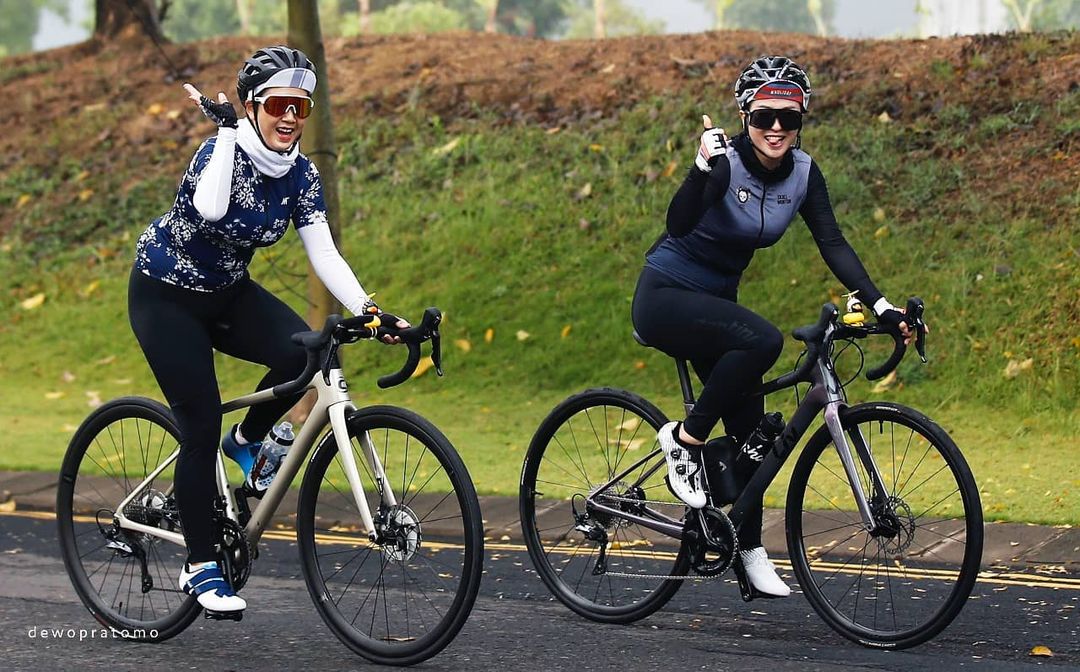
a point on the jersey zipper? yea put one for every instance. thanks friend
(761, 231)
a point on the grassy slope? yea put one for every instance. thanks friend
(495, 233)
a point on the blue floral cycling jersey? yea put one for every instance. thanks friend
(184, 249)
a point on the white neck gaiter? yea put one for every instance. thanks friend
(267, 161)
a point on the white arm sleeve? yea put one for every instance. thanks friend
(331, 268)
(214, 187)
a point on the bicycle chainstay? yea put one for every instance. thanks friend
(680, 577)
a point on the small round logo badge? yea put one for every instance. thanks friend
(743, 194)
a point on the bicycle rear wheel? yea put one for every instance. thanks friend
(586, 441)
(903, 584)
(400, 599)
(117, 447)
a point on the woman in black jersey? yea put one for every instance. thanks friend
(738, 197)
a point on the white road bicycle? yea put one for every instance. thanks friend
(387, 521)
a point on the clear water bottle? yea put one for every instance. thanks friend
(271, 453)
(757, 446)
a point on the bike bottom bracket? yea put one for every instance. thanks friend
(715, 543)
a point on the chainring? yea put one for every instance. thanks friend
(236, 552)
(717, 546)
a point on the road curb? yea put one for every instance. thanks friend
(1045, 548)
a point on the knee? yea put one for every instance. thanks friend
(771, 345)
(199, 420)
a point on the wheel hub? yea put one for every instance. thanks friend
(401, 535)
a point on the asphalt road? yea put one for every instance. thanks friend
(516, 625)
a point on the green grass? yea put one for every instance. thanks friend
(498, 233)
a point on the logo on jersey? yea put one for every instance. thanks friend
(783, 199)
(743, 194)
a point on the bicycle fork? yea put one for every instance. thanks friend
(337, 412)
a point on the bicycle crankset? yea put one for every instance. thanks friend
(714, 544)
(236, 553)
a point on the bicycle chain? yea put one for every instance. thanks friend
(662, 577)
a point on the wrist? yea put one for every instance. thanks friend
(702, 164)
(226, 132)
(882, 305)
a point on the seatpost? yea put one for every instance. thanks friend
(684, 383)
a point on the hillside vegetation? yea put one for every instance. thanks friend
(517, 183)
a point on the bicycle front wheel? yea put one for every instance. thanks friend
(905, 582)
(400, 598)
(588, 440)
(128, 580)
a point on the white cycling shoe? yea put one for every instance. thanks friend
(215, 595)
(684, 472)
(761, 573)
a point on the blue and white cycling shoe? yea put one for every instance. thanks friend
(215, 595)
(242, 453)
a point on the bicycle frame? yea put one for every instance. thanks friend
(826, 396)
(332, 406)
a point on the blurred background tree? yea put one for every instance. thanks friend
(19, 22)
(618, 18)
(786, 16)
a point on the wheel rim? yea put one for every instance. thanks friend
(120, 452)
(911, 578)
(399, 593)
(588, 448)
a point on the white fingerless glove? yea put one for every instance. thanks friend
(713, 146)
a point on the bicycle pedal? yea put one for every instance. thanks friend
(748, 592)
(223, 615)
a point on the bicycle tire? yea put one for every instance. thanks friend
(133, 426)
(912, 559)
(592, 405)
(328, 516)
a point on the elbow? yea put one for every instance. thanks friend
(211, 212)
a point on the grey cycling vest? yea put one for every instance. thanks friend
(751, 215)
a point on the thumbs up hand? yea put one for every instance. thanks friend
(713, 145)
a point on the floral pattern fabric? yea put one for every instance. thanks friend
(183, 249)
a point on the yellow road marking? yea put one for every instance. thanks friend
(986, 576)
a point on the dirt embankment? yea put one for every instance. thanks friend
(98, 108)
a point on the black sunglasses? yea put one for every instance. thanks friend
(764, 118)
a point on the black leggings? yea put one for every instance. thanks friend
(178, 330)
(730, 348)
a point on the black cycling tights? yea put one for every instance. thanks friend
(178, 330)
(730, 348)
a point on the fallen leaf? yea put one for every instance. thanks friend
(121, 381)
(566, 331)
(607, 69)
(596, 148)
(1043, 651)
(669, 169)
(447, 148)
(884, 118)
(33, 302)
(584, 192)
(463, 344)
(85, 194)
(52, 396)
(23, 200)
(882, 231)
(82, 176)
(885, 383)
(583, 224)
(553, 130)
(106, 360)
(172, 114)
(423, 367)
(90, 288)
(639, 365)
(155, 109)
(522, 335)
(67, 377)
(630, 425)
(879, 215)
(1014, 368)
(489, 335)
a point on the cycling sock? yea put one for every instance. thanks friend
(238, 436)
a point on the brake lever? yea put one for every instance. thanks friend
(331, 353)
(915, 309)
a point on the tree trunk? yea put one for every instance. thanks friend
(814, 8)
(243, 12)
(365, 16)
(305, 34)
(493, 11)
(117, 19)
(600, 28)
